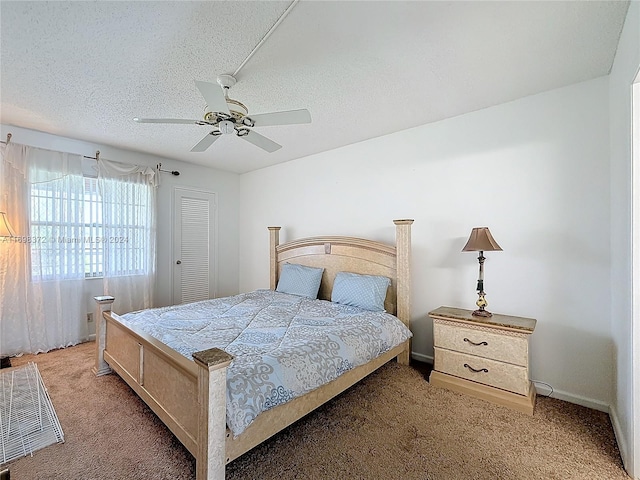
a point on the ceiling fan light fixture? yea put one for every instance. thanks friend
(226, 126)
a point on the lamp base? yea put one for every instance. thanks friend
(481, 303)
(482, 313)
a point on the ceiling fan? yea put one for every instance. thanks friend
(229, 116)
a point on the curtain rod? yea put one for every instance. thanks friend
(96, 158)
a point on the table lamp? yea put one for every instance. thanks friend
(481, 241)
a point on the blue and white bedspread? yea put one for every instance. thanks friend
(284, 345)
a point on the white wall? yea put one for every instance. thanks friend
(225, 184)
(534, 170)
(623, 72)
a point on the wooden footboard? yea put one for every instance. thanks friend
(169, 387)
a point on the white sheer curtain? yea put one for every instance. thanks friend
(128, 194)
(41, 270)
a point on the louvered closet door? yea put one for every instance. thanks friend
(194, 245)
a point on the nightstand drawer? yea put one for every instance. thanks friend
(513, 378)
(497, 346)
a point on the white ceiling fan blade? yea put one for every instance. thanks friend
(214, 96)
(205, 143)
(290, 117)
(165, 120)
(261, 141)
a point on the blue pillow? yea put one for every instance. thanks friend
(364, 291)
(300, 280)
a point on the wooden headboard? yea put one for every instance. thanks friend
(350, 254)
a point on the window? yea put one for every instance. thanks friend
(56, 229)
(78, 231)
(128, 230)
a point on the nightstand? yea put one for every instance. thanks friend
(484, 357)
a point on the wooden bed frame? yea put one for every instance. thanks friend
(189, 395)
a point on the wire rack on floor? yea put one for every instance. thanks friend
(28, 421)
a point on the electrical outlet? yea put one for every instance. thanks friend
(89, 317)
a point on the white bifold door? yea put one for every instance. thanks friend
(194, 245)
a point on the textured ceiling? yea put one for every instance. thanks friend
(363, 69)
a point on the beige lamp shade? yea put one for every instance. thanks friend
(6, 230)
(481, 240)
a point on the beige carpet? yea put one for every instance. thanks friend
(393, 425)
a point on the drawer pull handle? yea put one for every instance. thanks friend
(474, 370)
(474, 343)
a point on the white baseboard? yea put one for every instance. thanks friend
(92, 338)
(422, 358)
(579, 400)
(620, 438)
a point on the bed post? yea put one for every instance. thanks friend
(212, 413)
(103, 304)
(274, 241)
(403, 272)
